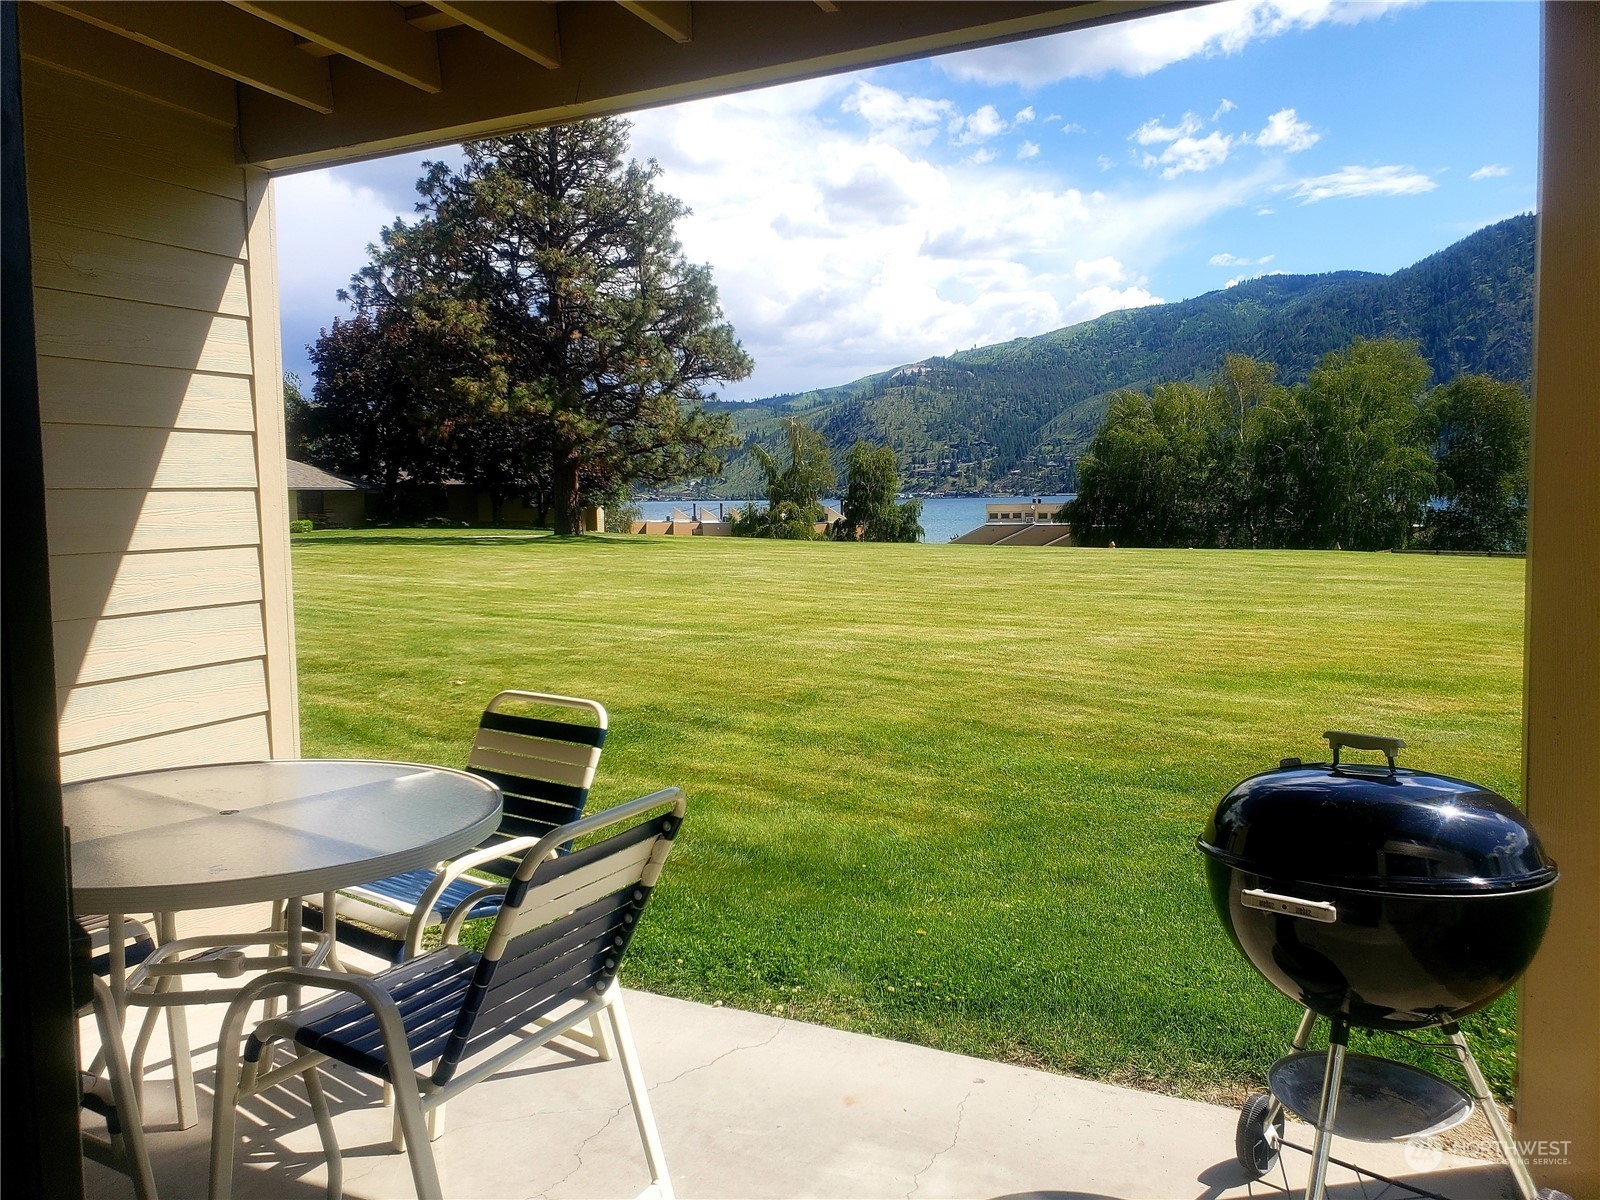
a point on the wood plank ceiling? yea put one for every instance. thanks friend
(312, 82)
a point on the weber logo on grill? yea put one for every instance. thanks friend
(1289, 906)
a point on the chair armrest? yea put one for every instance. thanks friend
(283, 980)
(449, 873)
(458, 917)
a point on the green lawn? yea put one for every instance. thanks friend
(946, 794)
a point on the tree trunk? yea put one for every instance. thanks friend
(496, 503)
(568, 506)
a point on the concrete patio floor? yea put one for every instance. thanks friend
(756, 1106)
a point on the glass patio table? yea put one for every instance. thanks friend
(243, 833)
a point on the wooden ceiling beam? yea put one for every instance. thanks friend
(529, 29)
(427, 17)
(220, 39)
(89, 53)
(375, 35)
(612, 63)
(675, 18)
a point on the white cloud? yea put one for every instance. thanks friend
(859, 253)
(1195, 154)
(1233, 260)
(978, 126)
(1265, 212)
(1073, 127)
(1153, 132)
(1227, 106)
(1097, 301)
(1099, 271)
(1105, 163)
(897, 117)
(1028, 150)
(1024, 116)
(324, 222)
(1286, 131)
(1362, 181)
(1144, 45)
(1490, 171)
(843, 240)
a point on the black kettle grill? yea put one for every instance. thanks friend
(1382, 898)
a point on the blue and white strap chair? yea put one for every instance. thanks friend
(543, 768)
(107, 1088)
(437, 1024)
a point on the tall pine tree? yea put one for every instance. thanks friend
(549, 266)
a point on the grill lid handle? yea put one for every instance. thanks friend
(1339, 740)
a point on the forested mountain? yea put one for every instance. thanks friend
(1014, 417)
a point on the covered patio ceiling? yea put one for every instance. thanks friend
(309, 83)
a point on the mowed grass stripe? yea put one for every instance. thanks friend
(947, 794)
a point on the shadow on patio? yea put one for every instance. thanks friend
(755, 1106)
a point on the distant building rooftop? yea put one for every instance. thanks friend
(303, 477)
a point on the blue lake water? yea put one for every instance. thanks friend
(942, 517)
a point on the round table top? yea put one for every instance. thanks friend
(238, 833)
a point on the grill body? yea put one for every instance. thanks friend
(1389, 897)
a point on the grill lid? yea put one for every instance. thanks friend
(1380, 829)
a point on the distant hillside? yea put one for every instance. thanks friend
(1014, 417)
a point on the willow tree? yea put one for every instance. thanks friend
(794, 489)
(549, 264)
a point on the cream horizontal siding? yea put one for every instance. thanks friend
(97, 522)
(97, 714)
(69, 259)
(84, 392)
(138, 139)
(72, 325)
(106, 456)
(227, 741)
(90, 195)
(104, 648)
(117, 584)
(160, 415)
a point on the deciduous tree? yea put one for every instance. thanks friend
(1479, 430)
(382, 407)
(870, 509)
(794, 489)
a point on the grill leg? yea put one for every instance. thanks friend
(1526, 1188)
(1338, 1038)
(1302, 1037)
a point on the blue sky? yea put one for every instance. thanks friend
(867, 220)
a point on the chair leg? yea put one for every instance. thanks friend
(224, 1104)
(330, 1143)
(129, 1117)
(397, 1136)
(602, 1040)
(141, 1043)
(414, 1130)
(639, 1093)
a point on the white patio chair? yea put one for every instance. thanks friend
(107, 1088)
(544, 769)
(551, 962)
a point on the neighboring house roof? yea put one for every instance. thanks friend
(303, 477)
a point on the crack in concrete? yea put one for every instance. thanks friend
(961, 1115)
(584, 1145)
(627, 1105)
(706, 1065)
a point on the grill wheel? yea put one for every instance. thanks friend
(1256, 1150)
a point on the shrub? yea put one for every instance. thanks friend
(301, 526)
